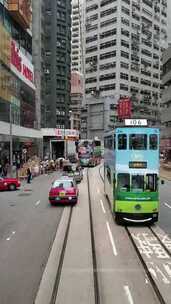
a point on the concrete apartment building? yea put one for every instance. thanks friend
(124, 41)
(166, 99)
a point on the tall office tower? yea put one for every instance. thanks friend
(76, 36)
(124, 41)
(57, 35)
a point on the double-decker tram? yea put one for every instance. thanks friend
(89, 152)
(131, 172)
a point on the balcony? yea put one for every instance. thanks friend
(21, 11)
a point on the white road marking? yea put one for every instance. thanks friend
(9, 238)
(103, 208)
(167, 205)
(128, 294)
(37, 203)
(111, 239)
(98, 191)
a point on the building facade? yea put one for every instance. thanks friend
(166, 99)
(76, 36)
(17, 86)
(57, 36)
(76, 100)
(124, 41)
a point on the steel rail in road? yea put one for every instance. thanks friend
(61, 260)
(64, 247)
(159, 243)
(150, 277)
(95, 270)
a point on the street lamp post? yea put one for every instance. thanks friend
(11, 141)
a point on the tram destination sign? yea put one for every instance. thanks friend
(136, 122)
(137, 165)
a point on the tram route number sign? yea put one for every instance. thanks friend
(137, 165)
(136, 122)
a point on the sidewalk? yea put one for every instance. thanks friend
(165, 171)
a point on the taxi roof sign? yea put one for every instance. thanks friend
(136, 122)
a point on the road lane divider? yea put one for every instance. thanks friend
(167, 205)
(37, 203)
(11, 235)
(102, 205)
(111, 239)
(128, 294)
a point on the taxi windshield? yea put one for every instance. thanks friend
(64, 184)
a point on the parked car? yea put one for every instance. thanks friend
(9, 183)
(63, 190)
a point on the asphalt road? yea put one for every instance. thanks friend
(28, 226)
(165, 207)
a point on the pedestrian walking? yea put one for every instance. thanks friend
(28, 175)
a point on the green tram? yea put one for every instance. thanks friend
(131, 172)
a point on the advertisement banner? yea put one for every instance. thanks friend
(5, 46)
(21, 65)
(124, 108)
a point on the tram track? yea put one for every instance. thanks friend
(58, 279)
(152, 266)
(61, 260)
(95, 271)
(148, 273)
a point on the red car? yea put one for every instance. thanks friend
(9, 183)
(63, 190)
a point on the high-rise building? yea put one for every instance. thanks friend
(124, 41)
(166, 99)
(169, 21)
(56, 64)
(77, 36)
(18, 117)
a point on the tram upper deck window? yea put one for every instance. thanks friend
(122, 142)
(138, 142)
(153, 142)
(137, 184)
(123, 182)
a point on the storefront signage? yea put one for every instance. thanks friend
(21, 66)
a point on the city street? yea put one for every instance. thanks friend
(28, 226)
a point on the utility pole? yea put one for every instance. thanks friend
(11, 141)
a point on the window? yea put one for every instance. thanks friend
(123, 182)
(122, 142)
(108, 142)
(137, 184)
(153, 142)
(138, 142)
(151, 182)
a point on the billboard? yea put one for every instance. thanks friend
(124, 108)
(21, 65)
